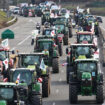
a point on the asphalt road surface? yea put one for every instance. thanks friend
(59, 88)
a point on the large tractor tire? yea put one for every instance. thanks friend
(46, 87)
(99, 94)
(55, 65)
(36, 100)
(73, 94)
(60, 49)
(65, 40)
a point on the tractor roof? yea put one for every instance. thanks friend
(81, 44)
(20, 69)
(7, 84)
(45, 40)
(59, 22)
(44, 37)
(36, 53)
(85, 60)
(84, 33)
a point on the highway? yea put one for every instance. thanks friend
(59, 88)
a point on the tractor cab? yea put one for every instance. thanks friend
(23, 74)
(45, 45)
(84, 37)
(78, 50)
(33, 61)
(49, 32)
(8, 94)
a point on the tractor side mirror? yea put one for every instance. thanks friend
(67, 50)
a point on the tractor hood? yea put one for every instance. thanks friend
(86, 76)
(3, 102)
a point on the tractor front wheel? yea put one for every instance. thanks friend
(46, 87)
(99, 94)
(36, 100)
(73, 94)
(55, 65)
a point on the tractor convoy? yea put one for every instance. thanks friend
(25, 78)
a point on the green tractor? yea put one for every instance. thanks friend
(29, 86)
(34, 61)
(67, 22)
(76, 51)
(62, 29)
(86, 79)
(50, 49)
(58, 38)
(9, 94)
(45, 17)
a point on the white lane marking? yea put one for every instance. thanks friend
(24, 40)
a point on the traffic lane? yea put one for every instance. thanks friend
(22, 29)
(60, 89)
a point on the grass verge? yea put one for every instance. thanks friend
(4, 20)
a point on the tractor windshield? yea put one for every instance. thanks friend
(6, 93)
(30, 60)
(47, 32)
(2, 55)
(60, 27)
(82, 50)
(87, 38)
(61, 19)
(45, 45)
(86, 66)
(22, 76)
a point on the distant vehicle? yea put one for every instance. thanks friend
(16, 10)
(99, 19)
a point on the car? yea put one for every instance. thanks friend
(16, 10)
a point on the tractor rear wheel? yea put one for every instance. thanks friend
(65, 40)
(46, 87)
(55, 65)
(73, 94)
(60, 49)
(36, 100)
(99, 94)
